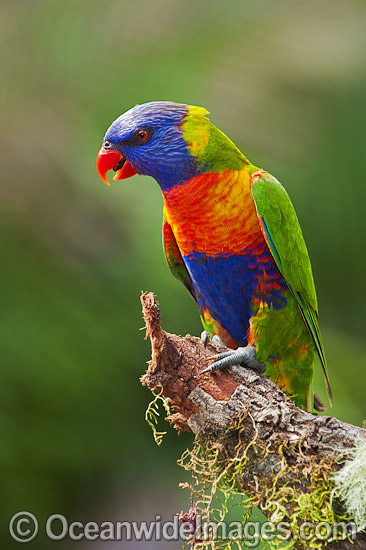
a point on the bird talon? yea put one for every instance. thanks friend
(240, 357)
(207, 369)
(216, 341)
(205, 337)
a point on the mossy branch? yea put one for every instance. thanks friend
(252, 435)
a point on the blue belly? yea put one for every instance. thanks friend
(229, 286)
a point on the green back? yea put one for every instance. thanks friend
(284, 237)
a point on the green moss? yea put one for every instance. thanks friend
(219, 479)
(152, 414)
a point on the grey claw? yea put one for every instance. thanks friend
(216, 340)
(207, 369)
(205, 337)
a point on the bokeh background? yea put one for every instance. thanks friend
(285, 80)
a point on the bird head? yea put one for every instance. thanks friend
(171, 142)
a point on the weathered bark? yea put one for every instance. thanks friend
(289, 443)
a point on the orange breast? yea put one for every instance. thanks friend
(213, 213)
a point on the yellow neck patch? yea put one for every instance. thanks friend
(196, 130)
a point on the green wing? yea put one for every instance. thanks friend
(174, 258)
(282, 231)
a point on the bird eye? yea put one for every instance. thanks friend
(106, 145)
(142, 135)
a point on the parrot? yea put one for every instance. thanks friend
(232, 237)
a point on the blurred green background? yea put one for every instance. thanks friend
(286, 81)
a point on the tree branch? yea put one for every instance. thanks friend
(239, 410)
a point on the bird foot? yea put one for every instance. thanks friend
(241, 356)
(216, 340)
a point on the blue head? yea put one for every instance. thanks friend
(150, 138)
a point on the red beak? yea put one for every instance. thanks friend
(107, 159)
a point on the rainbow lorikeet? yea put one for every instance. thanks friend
(231, 235)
